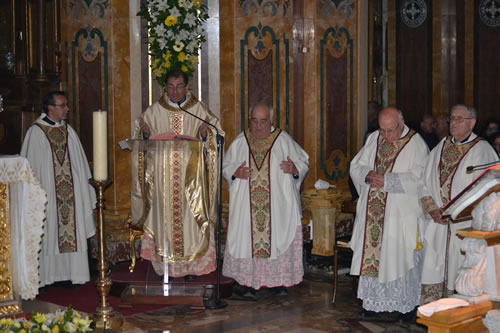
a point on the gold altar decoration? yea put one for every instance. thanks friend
(104, 318)
(325, 209)
(8, 304)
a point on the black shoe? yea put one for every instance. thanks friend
(249, 294)
(279, 291)
(43, 290)
(390, 317)
(409, 317)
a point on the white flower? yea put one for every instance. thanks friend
(183, 35)
(191, 47)
(170, 34)
(174, 12)
(160, 30)
(190, 20)
(178, 46)
(188, 4)
(162, 42)
(162, 5)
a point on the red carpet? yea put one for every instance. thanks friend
(86, 299)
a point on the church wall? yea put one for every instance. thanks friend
(300, 57)
(96, 75)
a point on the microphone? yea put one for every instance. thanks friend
(203, 120)
(472, 168)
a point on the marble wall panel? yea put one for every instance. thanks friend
(96, 75)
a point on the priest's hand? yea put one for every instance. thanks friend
(289, 167)
(375, 179)
(242, 172)
(203, 129)
(144, 127)
(437, 217)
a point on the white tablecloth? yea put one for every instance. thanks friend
(27, 214)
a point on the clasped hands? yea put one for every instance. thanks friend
(375, 179)
(244, 172)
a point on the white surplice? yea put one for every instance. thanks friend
(285, 208)
(398, 262)
(56, 266)
(435, 234)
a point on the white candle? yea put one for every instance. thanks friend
(100, 145)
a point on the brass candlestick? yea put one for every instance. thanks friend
(104, 317)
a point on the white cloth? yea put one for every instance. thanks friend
(27, 200)
(402, 210)
(401, 295)
(285, 203)
(440, 305)
(435, 234)
(55, 266)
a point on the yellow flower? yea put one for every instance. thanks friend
(193, 60)
(27, 325)
(181, 57)
(60, 320)
(170, 21)
(5, 322)
(55, 329)
(166, 56)
(22, 330)
(184, 68)
(166, 64)
(197, 3)
(40, 318)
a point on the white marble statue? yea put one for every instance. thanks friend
(478, 273)
(486, 215)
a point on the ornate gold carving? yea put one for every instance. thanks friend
(6, 289)
(10, 309)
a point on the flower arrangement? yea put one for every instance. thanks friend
(175, 34)
(61, 321)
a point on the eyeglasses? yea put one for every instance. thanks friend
(389, 131)
(458, 119)
(179, 87)
(60, 105)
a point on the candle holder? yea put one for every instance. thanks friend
(104, 318)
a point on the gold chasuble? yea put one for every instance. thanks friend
(260, 192)
(174, 188)
(375, 207)
(63, 178)
(451, 156)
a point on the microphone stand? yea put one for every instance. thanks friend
(216, 303)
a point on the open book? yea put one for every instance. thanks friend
(460, 207)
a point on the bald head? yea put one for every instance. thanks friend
(391, 124)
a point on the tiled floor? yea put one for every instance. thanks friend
(307, 309)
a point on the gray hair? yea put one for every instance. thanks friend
(269, 107)
(470, 109)
(400, 113)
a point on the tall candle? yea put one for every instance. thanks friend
(100, 145)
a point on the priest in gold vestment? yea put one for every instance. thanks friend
(174, 192)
